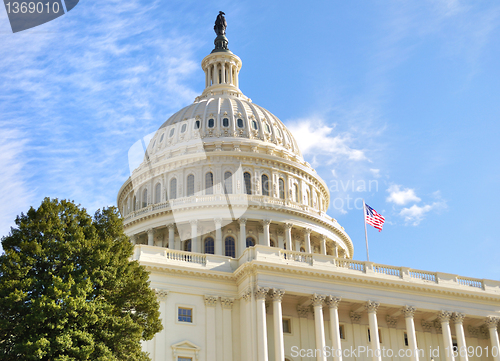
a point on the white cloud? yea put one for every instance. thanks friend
(415, 214)
(375, 173)
(316, 138)
(401, 196)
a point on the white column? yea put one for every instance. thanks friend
(246, 331)
(209, 74)
(333, 305)
(230, 74)
(458, 320)
(409, 312)
(243, 235)
(206, 78)
(133, 239)
(227, 306)
(307, 239)
(288, 236)
(319, 326)
(195, 245)
(218, 236)
(492, 324)
(297, 245)
(372, 307)
(335, 250)
(279, 342)
(151, 235)
(444, 319)
(171, 229)
(210, 303)
(267, 239)
(260, 298)
(161, 295)
(223, 73)
(323, 244)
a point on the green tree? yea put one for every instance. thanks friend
(68, 290)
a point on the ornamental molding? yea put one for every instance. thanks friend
(333, 302)
(210, 301)
(492, 322)
(426, 326)
(473, 331)
(261, 292)
(317, 300)
(372, 306)
(276, 294)
(355, 317)
(247, 295)
(458, 318)
(303, 311)
(227, 303)
(438, 326)
(409, 311)
(392, 322)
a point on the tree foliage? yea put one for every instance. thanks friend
(68, 290)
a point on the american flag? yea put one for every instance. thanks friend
(373, 218)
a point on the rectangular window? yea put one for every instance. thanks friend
(185, 314)
(342, 332)
(379, 336)
(287, 325)
(180, 358)
(406, 339)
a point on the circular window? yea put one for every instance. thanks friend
(183, 129)
(211, 123)
(154, 143)
(161, 139)
(172, 132)
(240, 123)
(255, 125)
(225, 122)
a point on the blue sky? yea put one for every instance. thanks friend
(396, 102)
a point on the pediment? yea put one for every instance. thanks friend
(185, 346)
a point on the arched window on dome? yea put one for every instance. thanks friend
(248, 183)
(296, 191)
(183, 129)
(171, 133)
(173, 188)
(240, 123)
(228, 182)
(190, 185)
(225, 122)
(265, 185)
(197, 124)
(187, 245)
(250, 242)
(230, 248)
(209, 183)
(144, 198)
(281, 183)
(209, 245)
(255, 125)
(157, 193)
(211, 123)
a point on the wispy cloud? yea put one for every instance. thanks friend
(401, 196)
(415, 214)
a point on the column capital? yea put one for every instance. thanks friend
(242, 220)
(247, 296)
(226, 302)
(288, 226)
(266, 222)
(261, 292)
(355, 317)
(193, 222)
(218, 221)
(161, 294)
(323, 237)
(409, 311)
(170, 226)
(317, 300)
(444, 316)
(333, 302)
(307, 230)
(492, 322)
(150, 231)
(372, 306)
(392, 322)
(276, 294)
(426, 326)
(458, 317)
(303, 311)
(210, 301)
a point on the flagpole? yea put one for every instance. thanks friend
(366, 234)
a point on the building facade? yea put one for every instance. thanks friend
(231, 222)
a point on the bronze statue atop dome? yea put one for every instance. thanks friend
(220, 29)
(220, 24)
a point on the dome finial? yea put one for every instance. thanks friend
(220, 29)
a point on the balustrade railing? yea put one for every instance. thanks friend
(183, 256)
(350, 264)
(426, 276)
(472, 282)
(297, 256)
(387, 270)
